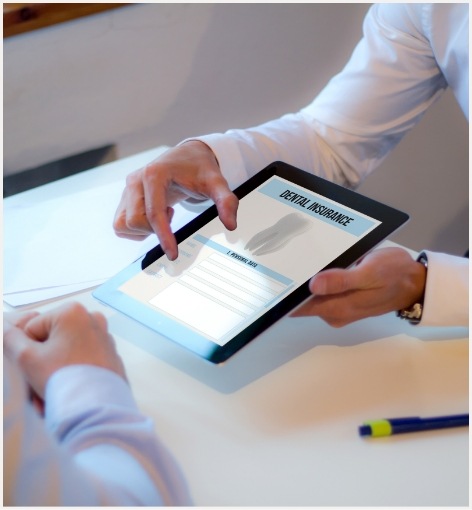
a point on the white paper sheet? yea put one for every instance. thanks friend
(67, 244)
(31, 297)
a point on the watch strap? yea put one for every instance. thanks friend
(414, 312)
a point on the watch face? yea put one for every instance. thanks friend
(412, 314)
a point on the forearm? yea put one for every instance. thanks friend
(296, 139)
(389, 82)
(100, 449)
(112, 440)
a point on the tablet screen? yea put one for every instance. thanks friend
(225, 281)
(222, 281)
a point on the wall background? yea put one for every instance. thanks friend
(153, 74)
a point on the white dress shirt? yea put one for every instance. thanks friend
(92, 448)
(408, 56)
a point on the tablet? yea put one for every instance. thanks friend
(225, 288)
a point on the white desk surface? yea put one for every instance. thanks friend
(277, 424)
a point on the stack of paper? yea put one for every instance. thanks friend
(67, 244)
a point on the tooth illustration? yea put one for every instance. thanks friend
(278, 235)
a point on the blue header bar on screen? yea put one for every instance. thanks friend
(329, 212)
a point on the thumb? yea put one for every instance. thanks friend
(227, 205)
(337, 281)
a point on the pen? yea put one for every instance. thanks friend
(388, 427)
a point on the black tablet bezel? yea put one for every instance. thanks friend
(391, 219)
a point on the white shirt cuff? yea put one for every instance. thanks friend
(446, 301)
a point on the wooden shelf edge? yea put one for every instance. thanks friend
(21, 18)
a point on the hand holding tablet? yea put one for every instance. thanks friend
(226, 287)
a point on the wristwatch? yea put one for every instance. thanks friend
(414, 312)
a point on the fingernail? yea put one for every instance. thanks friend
(318, 287)
(171, 255)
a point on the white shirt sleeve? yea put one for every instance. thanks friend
(92, 448)
(391, 79)
(446, 301)
(408, 56)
